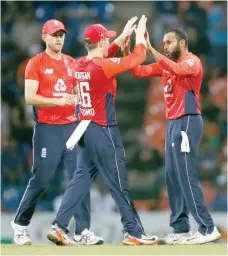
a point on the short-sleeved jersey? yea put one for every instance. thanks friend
(181, 81)
(55, 78)
(97, 84)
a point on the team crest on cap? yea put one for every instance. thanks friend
(56, 22)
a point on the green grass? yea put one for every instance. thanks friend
(109, 249)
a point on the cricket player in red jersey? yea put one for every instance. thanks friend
(100, 148)
(49, 87)
(181, 73)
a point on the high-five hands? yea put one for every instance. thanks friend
(125, 47)
(147, 37)
(141, 28)
(127, 31)
(129, 27)
(140, 32)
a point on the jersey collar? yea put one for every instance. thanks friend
(181, 58)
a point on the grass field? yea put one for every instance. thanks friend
(108, 249)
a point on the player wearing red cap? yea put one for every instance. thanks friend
(181, 73)
(100, 149)
(49, 87)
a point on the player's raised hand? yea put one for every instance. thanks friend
(141, 28)
(67, 99)
(140, 31)
(125, 47)
(147, 37)
(127, 31)
(129, 27)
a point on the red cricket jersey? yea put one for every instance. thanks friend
(97, 84)
(181, 81)
(55, 78)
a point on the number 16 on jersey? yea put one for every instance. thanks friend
(84, 98)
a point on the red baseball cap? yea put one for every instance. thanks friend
(52, 26)
(96, 32)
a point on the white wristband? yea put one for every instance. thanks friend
(141, 41)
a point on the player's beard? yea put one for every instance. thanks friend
(175, 54)
(55, 49)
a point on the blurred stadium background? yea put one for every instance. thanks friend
(140, 108)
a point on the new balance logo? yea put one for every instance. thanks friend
(44, 153)
(48, 71)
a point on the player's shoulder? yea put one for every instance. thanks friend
(38, 57)
(104, 61)
(191, 59)
(80, 59)
(68, 57)
(80, 62)
(98, 61)
(94, 63)
(191, 55)
(35, 61)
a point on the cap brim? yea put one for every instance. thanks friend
(57, 29)
(111, 33)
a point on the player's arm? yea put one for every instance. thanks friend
(75, 90)
(113, 49)
(127, 31)
(189, 66)
(150, 70)
(32, 85)
(31, 96)
(113, 67)
(75, 93)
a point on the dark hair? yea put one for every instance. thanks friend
(89, 45)
(179, 33)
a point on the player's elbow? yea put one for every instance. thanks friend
(31, 88)
(134, 72)
(29, 99)
(137, 58)
(140, 59)
(136, 63)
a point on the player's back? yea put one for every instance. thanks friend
(96, 92)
